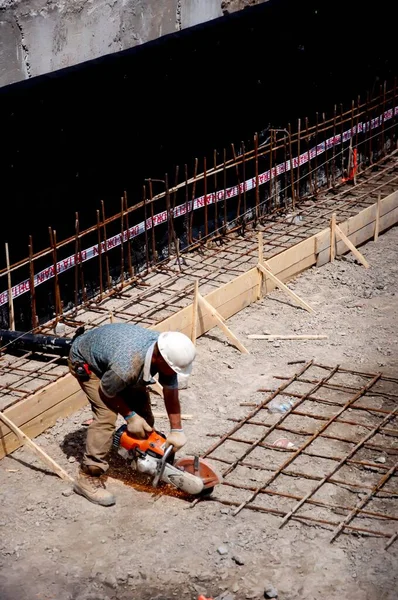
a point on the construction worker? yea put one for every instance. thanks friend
(114, 364)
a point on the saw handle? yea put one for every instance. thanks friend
(161, 466)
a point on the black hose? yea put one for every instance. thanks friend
(18, 340)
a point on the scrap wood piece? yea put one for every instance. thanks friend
(36, 449)
(161, 415)
(351, 246)
(157, 388)
(221, 324)
(271, 338)
(284, 287)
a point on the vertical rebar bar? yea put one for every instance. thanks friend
(108, 277)
(76, 260)
(205, 196)
(32, 288)
(298, 156)
(394, 134)
(99, 254)
(291, 167)
(130, 264)
(270, 171)
(57, 296)
(80, 258)
(215, 191)
(342, 139)
(225, 190)
(369, 128)
(243, 150)
(284, 178)
(257, 214)
(11, 316)
(356, 129)
(238, 178)
(383, 118)
(195, 172)
(146, 228)
(307, 137)
(334, 147)
(154, 253)
(326, 150)
(316, 154)
(169, 235)
(186, 217)
(121, 241)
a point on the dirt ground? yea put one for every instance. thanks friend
(55, 545)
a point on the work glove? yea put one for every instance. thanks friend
(176, 438)
(137, 426)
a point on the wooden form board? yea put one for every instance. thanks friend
(359, 228)
(40, 411)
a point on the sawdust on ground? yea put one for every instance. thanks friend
(55, 545)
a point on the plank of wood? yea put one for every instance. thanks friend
(255, 336)
(24, 439)
(157, 387)
(36, 426)
(221, 324)
(163, 415)
(284, 287)
(38, 402)
(351, 246)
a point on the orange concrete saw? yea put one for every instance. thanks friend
(191, 474)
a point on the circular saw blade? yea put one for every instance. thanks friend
(201, 468)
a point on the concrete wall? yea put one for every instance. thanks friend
(40, 36)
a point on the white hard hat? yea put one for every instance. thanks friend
(177, 350)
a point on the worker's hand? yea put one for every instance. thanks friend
(137, 426)
(176, 438)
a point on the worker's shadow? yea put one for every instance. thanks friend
(73, 445)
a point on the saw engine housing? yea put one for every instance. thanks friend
(192, 475)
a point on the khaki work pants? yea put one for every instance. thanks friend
(100, 431)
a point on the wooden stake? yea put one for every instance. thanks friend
(11, 317)
(220, 322)
(351, 246)
(160, 415)
(260, 260)
(156, 387)
(271, 338)
(195, 313)
(111, 319)
(36, 449)
(333, 237)
(284, 287)
(377, 224)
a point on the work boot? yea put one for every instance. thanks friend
(90, 485)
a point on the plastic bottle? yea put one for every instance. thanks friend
(280, 406)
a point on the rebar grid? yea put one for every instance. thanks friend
(214, 265)
(336, 455)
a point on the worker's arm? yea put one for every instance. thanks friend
(173, 408)
(176, 437)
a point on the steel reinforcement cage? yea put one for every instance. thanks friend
(230, 190)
